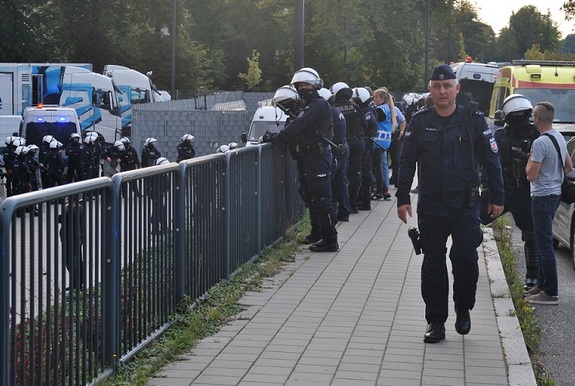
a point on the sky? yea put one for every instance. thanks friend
(496, 13)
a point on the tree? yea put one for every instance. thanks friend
(254, 75)
(569, 44)
(526, 28)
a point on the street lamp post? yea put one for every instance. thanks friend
(173, 72)
(426, 45)
(298, 34)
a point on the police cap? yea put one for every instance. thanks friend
(442, 72)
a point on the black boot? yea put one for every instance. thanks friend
(435, 332)
(323, 246)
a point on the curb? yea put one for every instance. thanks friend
(520, 370)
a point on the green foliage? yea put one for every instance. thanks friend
(361, 42)
(524, 312)
(254, 75)
(199, 318)
(527, 27)
(535, 53)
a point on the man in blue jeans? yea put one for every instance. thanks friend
(545, 171)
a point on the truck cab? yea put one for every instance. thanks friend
(266, 118)
(476, 81)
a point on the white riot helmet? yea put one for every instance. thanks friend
(516, 102)
(125, 140)
(18, 142)
(54, 144)
(283, 93)
(33, 147)
(47, 139)
(232, 145)
(188, 138)
(87, 139)
(10, 140)
(307, 75)
(341, 90)
(324, 93)
(119, 145)
(162, 161)
(361, 94)
(223, 148)
(75, 135)
(150, 141)
(20, 150)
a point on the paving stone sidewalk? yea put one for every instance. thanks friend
(356, 317)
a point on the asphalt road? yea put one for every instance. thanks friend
(557, 323)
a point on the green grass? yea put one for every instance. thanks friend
(199, 318)
(529, 326)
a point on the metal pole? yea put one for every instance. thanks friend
(426, 46)
(173, 73)
(298, 34)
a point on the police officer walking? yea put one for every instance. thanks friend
(311, 129)
(514, 142)
(447, 142)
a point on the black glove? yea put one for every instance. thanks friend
(267, 137)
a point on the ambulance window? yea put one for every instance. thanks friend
(502, 93)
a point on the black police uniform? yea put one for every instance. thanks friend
(442, 149)
(185, 151)
(356, 128)
(309, 130)
(74, 153)
(339, 182)
(514, 143)
(149, 155)
(364, 197)
(90, 161)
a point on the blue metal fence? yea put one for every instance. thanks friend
(90, 272)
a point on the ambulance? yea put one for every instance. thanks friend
(538, 80)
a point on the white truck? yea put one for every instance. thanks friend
(92, 95)
(135, 87)
(476, 80)
(266, 118)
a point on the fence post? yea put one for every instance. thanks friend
(5, 216)
(180, 215)
(226, 187)
(111, 276)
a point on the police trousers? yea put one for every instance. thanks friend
(466, 236)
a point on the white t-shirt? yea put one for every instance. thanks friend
(550, 175)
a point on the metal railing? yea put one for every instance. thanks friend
(90, 272)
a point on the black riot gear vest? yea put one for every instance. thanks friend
(514, 147)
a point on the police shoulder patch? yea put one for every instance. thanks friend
(493, 145)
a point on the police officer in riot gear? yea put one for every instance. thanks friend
(362, 97)
(74, 153)
(339, 179)
(311, 129)
(514, 142)
(287, 99)
(356, 133)
(150, 153)
(446, 143)
(186, 148)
